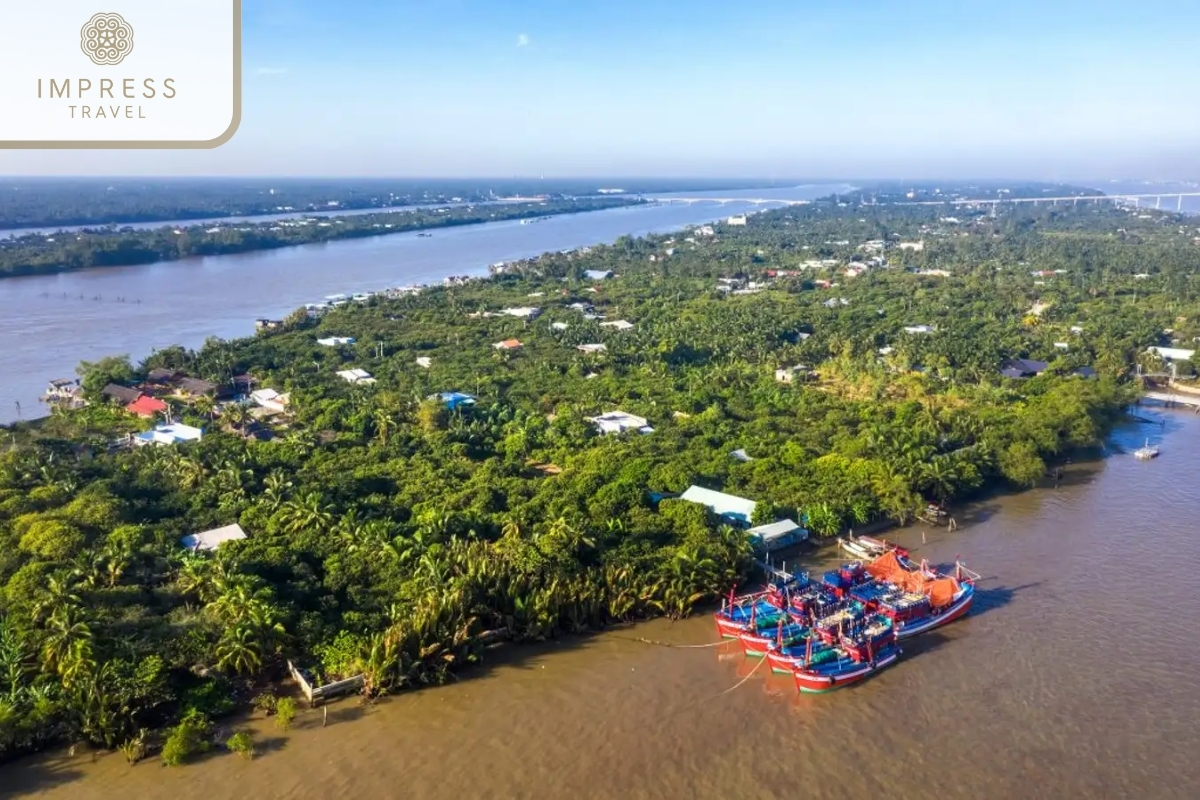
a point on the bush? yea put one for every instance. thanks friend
(285, 712)
(241, 743)
(188, 738)
(266, 703)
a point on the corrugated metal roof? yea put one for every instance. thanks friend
(725, 505)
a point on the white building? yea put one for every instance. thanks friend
(597, 274)
(917, 246)
(620, 422)
(523, 312)
(270, 400)
(211, 540)
(1172, 353)
(919, 329)
(738, 510)
(169, 434)
(592, 348)
(424, 361)
(335, 341)
(620, 324)
(789, 374)
(356, 376)
(739, 219)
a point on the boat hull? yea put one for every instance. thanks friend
(815, 682)
(955, 610)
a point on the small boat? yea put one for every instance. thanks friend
(834, 673)
(868, 548)
(1146, 452)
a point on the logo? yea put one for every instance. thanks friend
(106, 39)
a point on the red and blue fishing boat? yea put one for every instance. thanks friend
(831, 626)
(756, 642)
(842, 670)
(786, 658)
(738, 615)
(916, 599)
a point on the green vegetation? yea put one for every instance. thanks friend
(392, 537)
(40, 254)
(241, 743)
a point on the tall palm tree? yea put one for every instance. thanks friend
(307, 513)
(238, 651)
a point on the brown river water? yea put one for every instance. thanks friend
(1074, 677)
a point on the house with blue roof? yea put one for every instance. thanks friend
(454, 400)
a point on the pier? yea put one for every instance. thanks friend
(1171, 399)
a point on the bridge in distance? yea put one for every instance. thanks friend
(1134, 199)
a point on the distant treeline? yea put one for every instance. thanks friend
(52, 203)
(65, 252)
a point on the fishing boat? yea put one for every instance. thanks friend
(916, 600)
(1146, 452)
(757, 641)
(840, 581)
(746, 614)
(786, 658)
(870, 635)
(842, 670)
(829, 628)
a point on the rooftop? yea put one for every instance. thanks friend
(725, 505)
(211, 540)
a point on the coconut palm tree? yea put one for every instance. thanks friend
(238, 651)
(307, 513)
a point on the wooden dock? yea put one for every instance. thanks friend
(1171, 399)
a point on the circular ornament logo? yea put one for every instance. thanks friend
(106, 39)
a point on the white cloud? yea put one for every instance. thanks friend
(522, 40)
(271, 71)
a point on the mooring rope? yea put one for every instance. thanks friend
(743, 680)
(644, 640)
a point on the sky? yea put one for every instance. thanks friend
(1043, 89)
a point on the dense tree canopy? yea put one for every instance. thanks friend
(388, 532)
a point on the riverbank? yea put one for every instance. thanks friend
(46, 254)
(78, 315)
(1023, 678)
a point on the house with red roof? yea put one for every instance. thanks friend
(146, 406)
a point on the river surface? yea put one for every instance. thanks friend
(1074, 677)
(49, 323)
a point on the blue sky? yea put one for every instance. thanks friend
(814, 88)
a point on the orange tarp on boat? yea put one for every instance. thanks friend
(940, 590)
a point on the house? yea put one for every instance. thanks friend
(620, 324)
(194, 387)
(777, 535)
(620, 422)
(335, 341)
(739, 219)
(508, 344)
(1075, 329)
(1061, 346)
(919, 329)
(1172, 353)
(146, 407)
(356, 376)
(741, 455)
(705, 230)
(453, 400)
(1087, 373)
(592, 348)
(915, 246)
(886, 351)
(174, 433)
(268, 324)
(597, 274)
(522, 313)
(270, 400)
(163, 376)
(122, 394)
(735, 510)
(1023, 368)
(211, 540)
(789, 374)
(424, 361)
(559, 326)
(934, 273)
